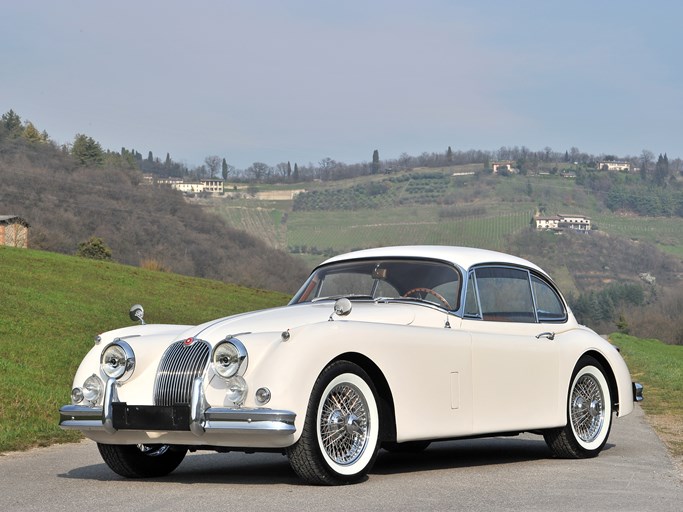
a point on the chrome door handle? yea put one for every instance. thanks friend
(549, 335)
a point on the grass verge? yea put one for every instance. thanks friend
(659, 367)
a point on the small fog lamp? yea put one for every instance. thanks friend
(92, 389)
(237, 389)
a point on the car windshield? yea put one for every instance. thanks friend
(384, 279)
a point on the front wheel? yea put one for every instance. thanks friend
(142, 460)
(589, 414)
(340, 439)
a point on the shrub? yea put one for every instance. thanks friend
(95, 249)
(154, 264)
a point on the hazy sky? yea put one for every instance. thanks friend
(298, 81)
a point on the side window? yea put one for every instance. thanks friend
(549, 306)
(505, 294)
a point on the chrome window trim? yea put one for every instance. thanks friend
(472, 274)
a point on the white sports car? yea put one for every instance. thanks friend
(388, 348)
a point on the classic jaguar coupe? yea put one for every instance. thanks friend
(388, 348)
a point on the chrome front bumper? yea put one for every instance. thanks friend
(199, 418)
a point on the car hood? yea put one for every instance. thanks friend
(268, 320)
(290, 317)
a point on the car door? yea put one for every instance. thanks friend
(514, 356)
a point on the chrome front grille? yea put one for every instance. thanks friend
(180, 365)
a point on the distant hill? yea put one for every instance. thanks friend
(66, 204)
(53, 306)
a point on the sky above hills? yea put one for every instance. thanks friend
(299, 81)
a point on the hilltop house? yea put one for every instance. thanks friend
(210, 185)
(505, 165)
(13, 231)
(613, 165)
(561, 221)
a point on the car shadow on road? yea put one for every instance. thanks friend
(206, 468)
(269, 468)
(466, 453)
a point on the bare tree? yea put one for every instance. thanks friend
(646, 159)
(282, 168)
(326, 165)
(213, 162)
(258, 171)
(405, 160)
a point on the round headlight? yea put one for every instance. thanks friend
(237, 390)
(118, 360)
(229, 358)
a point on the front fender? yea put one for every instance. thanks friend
(428, 371)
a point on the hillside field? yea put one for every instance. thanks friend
(474, 211)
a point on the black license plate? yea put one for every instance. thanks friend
(150, 417)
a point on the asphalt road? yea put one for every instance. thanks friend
(633, 473)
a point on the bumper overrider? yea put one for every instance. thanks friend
(196, 417)
(637, 392)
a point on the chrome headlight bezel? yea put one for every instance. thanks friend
(229, 358)
(118, 360)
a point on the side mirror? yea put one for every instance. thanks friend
(137, 313)
(341, 308)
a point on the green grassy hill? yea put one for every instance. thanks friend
(53, 306)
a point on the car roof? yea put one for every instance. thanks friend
(464, 257)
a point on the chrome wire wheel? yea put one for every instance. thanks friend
(587, 408)
(344, 424)
(589, 413)
(339, 441)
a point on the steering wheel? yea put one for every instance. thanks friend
(431, 292)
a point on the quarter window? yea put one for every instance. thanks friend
(549, 306)
(471, 300)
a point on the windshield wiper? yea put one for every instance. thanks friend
(350, 296)
(407, 299)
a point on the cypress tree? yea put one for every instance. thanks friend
(375, 162)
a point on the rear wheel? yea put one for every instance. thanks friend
(142, 460)
(589, 414)
(340, 439)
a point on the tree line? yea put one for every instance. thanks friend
(88, 152)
